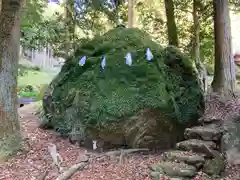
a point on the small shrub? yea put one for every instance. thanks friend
(28, 94)
(28, 91)
(36, 68)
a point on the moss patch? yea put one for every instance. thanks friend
(10, 146)
(97, 98)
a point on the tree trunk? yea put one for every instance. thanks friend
(196, 46)
(10, 137)
(130, 13)
(171, 24)
(69, 24)
(224, 72)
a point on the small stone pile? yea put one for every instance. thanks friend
(200, 152)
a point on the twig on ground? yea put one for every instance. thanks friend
(79, 166)
(122, 153)
(57, 160)
(73, 169)
(119, 152)
(44, 175)
(125, 151)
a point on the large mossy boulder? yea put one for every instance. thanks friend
(147, 104)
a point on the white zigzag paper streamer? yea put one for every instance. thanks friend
(128, 58)
(82, 61)
(103, 63)
(149, 55)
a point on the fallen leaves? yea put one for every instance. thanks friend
(31, 165)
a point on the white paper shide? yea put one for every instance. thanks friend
(82, 61)
(128, 58)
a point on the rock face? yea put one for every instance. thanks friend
(200, 154)
(175, 169)
(231, 141)
(207, 133)
(147, 104)
(183, 156)
(225, 114)
(197, 146)
(210, 145)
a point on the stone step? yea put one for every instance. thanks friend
(211, 132)
(174, 169)
(209, 120)
(214, 167)
(198, 146)
(184, 156)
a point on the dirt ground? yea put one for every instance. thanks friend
(31, 164)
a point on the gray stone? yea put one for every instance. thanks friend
(214, 167)
(156, 168)
(198, 146)
(184, 156)
(174, 169)
(155, 175)
(208, 132)
(206, 120)
(230, 142)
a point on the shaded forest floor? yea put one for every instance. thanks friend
(32, 163)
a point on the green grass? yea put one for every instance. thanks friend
(30, 76)
(28, 94)
(35, 78)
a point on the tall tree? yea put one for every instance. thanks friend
(196, 34)
(224, 76)
(196, 46)
(70, 23)
(130, 13)
(10, 138)
(171, 24)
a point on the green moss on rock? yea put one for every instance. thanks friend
(104, 101)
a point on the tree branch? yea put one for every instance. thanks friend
(84, 162)
(74, 168)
